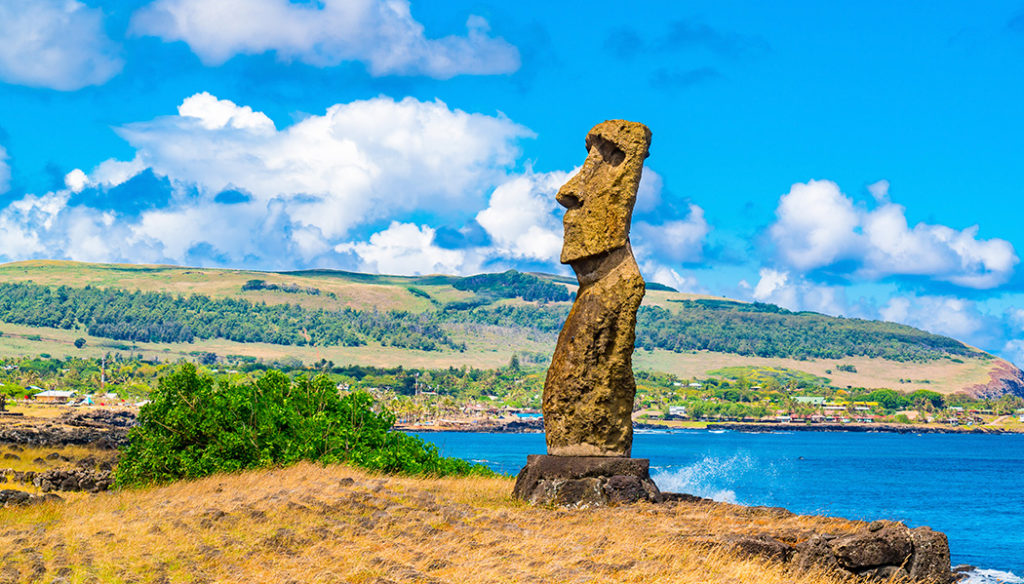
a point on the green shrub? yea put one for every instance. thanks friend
(194, 428)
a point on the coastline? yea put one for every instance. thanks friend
(882, 428)
(535, 426)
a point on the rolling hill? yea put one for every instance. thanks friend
(165, 312)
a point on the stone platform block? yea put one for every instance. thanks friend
(585, 481)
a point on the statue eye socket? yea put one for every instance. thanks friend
(609, 151)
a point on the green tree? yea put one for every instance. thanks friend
(79, 343)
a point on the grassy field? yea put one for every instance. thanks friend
(943, 376)
(336, 524)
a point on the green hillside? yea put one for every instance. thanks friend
(440, 321)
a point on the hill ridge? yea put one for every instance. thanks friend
(477, 319)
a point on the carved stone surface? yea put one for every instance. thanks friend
(585, 481)
(589, 390)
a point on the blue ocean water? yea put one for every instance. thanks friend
(969, 486)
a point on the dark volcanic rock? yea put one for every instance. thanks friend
(761, 546)
(73, 480)
(815, 553)
(104, 429)
(14, 497)
(585, 480)
(99, 419)
(888, 546)
(931, 554)
(884, 550)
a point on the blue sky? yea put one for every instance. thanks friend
(859, 159)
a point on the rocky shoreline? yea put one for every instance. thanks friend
(537, 426)
(886, 428)
(885, 551)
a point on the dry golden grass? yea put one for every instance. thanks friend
(319, 524)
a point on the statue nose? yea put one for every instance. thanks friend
(569, 195)
(568, 200)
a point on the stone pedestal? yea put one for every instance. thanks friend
(585, 481)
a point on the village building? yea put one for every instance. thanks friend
(54, 396)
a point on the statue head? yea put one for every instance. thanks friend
(599, 198)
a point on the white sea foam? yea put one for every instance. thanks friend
(991, 577)
(710, 477)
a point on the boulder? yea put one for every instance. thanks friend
(884, 550)
(13, 497)
(888, 546)
(761, 546)
(815, 553)
(930, 560)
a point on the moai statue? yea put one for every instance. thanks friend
(589, 390)
(588, 394)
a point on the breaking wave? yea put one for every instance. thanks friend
(711, 477)
(991, 577)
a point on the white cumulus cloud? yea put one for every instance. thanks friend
(294, 193)
(380, 33)
(817, 226)
(374, 184)
(680, 240)
(58, 44)
(521, 219)
(1013, 350)
(944, 315)
(797, 293)
(405, 248)
(655, 272)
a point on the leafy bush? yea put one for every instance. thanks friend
(194, 428)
